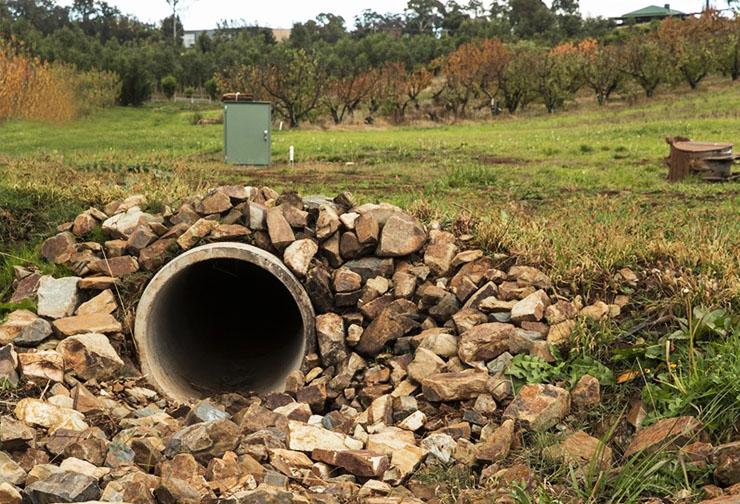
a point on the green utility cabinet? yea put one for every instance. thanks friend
(247, 132)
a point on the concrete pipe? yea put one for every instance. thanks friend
(223, 317)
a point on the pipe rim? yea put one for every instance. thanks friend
(148, 360)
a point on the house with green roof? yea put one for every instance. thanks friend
(650, 13)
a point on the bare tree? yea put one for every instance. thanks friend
(177, 6)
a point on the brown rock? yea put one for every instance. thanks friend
(98, 283)
(560, 333)
(440, 252)
(560, 312)
(281, 234)
(526, 275)
(298, 256)
(586, 393)
(9, 366)
(402, 235)
(454, 386)
(327, 222)
(42, 366)
(425, 364)
(331, 338)
(215, 202)
(346, 280)
(105, 302)
(497, 445)
(664, 433)
(539, 407)
(155, 255)
(362, 463)
(58, 249)
(26, 288)
(115, 266)
(90, 356)
(581, 449)
(727, 463)
(531, 308)
(24, 328)
(195, 233)
(485, 342)
(95, 322)
(393, 322)
(367, 229)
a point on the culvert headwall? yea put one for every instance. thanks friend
(223, 317)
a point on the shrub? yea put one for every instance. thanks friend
(93, 89)
(32, 89)
(212, 88)
(189, 91)
(168, 85)
(136, 81)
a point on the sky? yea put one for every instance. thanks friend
(205, 14)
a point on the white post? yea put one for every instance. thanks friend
(291, 155)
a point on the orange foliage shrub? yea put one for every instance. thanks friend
(30, 88)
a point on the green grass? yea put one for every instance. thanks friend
(581, 193)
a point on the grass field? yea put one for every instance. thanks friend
(581, 193)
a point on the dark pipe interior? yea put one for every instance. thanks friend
(225, 325)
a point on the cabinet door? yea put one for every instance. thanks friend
(247, 133)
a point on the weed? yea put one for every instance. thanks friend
(448, 480)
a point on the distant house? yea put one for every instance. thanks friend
(650, 13)
(190, 37)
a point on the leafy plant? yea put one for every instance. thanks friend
(168, 85)
(531, 369)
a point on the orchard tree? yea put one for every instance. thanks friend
(602, 68)
(553, 78)
(644, 59)
(461, 69)
(494, 58)
(689, 42)
(727, 45)
(516, 85)
(344, 94)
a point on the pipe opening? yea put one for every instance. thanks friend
(230, 323)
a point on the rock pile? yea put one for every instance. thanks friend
(414, 330)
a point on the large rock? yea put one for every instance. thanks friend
(362, 463)
(42, 366)
(581, 449)
(90, 356)
(527, 275)
(298, 255)
(496, 446)
(195, 233)
(123, 224)
(8, 366)
(401, 447)
(394, 321)
(485, 342)
(65, 486)
(14, 434)
(204, 440)
(538, 407)
(58, 249)
(105, 302)
(58, 297)
(669, 432)
(531, 308)
(727, 463)
(306, 438)
(425, 363)
(37, 412)
(281, 234)
(454, 386)
(331, 338)
(92, 323)
(440, 252)
(10, 471)
(24, 328)
(402, 235)
(215, 202)
(9, 494)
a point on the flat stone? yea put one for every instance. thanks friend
(485, 342)
(439, 342)
(37, 412)
(402, 235)
(73, 464)
(105, 302)
(24, 328)
(123, 224)
(400, 446)
(531, 308)
(367, 229)
(560, 312)
(580, 449)
(155, 255)
(586, 393)
(538, 407)
(454, 386)
(215, 202)
(346, 280)
(94, 322)
(370, 267)
(291, 463)
(59, 248)
(15, 435)
(327, 222)
(560, 333)
(225, 232)
(664, 433)
(199, 230)
(363, 463)
(527, 275)
(298, 256)
(98, 283)
(64, 487)
(297, 218)
(394, 321)
(26, 288)
(306, 438)
(90, 356)
(57, 297)
(42, 366)
(204, 440)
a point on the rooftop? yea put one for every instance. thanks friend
(653, 11)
